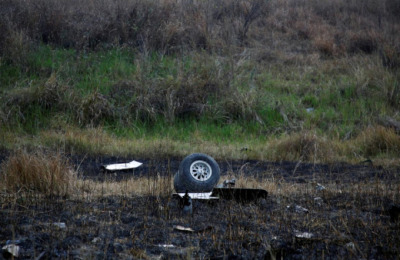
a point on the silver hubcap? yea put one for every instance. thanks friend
(200, 170)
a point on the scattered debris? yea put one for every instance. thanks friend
(320, 187)
(318, 201)
(300, 234)
(190, 230)
(183, 229)
(227, 184)
(121, 166)
(310, 109)
(297, 209)
(350, 245)
(60, 225)
(96, 240)
(11, 250)
(196, 196)
(166, 246)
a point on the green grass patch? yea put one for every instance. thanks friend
(189, 100)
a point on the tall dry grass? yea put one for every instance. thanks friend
(378, 140)
(304, 146)
(332, 28)
(38, 172)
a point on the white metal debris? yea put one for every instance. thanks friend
(183, 229)
(300, 234)
(197, 195)
(60, 225)
(12, 249)
(166, 245)
(318, 201)
(297, 209)
(122, 166)
(227, 184)
(320, 187)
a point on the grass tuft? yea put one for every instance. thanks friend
(304, 146)
(47, 174)
(378, 140)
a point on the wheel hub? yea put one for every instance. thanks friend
(200, 170)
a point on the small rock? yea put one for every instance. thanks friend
(11, 249)
(310, 109)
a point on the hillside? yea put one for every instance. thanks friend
(303, 80)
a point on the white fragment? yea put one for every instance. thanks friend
(198, 195)
(96, 240)
(320, 187)
(184, 229)
(300, 234)
(350, 245)
(300, 209)
(227, 184)
(310, 109)
(318, 201)
(123, 166)
(61, 225)
(166, 246)
(12, 249)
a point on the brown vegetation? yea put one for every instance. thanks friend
(43, 173)
(333, 28)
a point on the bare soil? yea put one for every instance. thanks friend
(355, 216)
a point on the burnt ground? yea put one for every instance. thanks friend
(356, 216)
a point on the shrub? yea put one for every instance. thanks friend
(16, 47)
(304, 146)
(363, 42)
(20, 102)
(47, 174)
(95, 109)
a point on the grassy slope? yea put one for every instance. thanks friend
(123, 100)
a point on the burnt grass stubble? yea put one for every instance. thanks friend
(346, 220)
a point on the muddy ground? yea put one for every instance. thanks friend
(355, 216)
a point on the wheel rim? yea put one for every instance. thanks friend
(200, 170)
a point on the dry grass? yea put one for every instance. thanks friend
(304, 146)
(330, 27)
(159, 186)
(47, 174)
(377, 143)
(378, 140)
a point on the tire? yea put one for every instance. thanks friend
(178, 185)
(197, 173)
